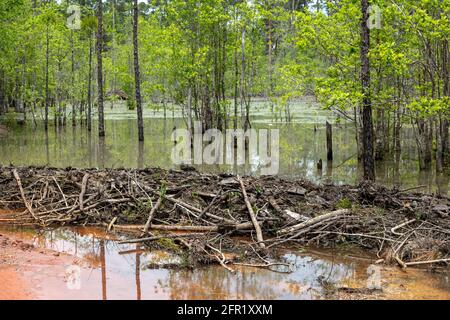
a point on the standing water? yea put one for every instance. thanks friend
(110, 270)
(302, 145)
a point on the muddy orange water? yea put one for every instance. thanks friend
(87, 263)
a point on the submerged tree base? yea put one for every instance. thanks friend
(204, 216)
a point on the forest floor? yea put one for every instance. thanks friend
(231, 220)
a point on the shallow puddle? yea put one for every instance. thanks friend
(109, 270)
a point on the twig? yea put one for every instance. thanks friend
(400, 262)
(19, 183)
(192, 208)
(415, 263)
(257, 227)
(312, 221)
(152, 213)
(204, 211)
(60, 190)
(400, 226)
(112, 223)
(220, 260)
(287, 214)
(412, 188)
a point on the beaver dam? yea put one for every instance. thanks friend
(231, 220)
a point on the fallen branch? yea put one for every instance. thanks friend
(167, 236)
(288, 215)
(111, 224)
(315, 220)
(22, 193)
(401, 226)
(259, 236)
(415, 263)
(221, 259)
(152, 212)
(241, 226)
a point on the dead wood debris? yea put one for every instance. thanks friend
(404, 228)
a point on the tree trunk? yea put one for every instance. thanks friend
(101, 118)
(444, 145)
(368, 159)
(46, 79)
(89, 91)
(137, 72)
(74, 123)
(380, 146)
(329, 141)
(236, 75)
(424, 143)
(243, 84)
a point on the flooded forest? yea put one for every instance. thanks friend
(224, 149)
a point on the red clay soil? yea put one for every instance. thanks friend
(23, 268)
(12, 285)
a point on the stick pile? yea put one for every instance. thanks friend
(205, 210)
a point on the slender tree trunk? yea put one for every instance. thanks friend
(74, 117)
(270, 60)
(89, 91)
(368, 159)
(444, 146)
(380, 145)
(47, 98)
(236, 80)
(114, 59)
(2, 101)
(101, 118)
(137, 72)
(243, 83)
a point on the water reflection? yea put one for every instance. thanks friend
(302, 144)
(110, 270)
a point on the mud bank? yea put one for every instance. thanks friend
(28, 271)
(201, 214)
